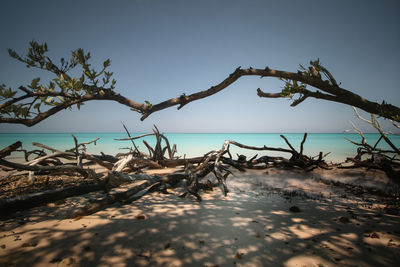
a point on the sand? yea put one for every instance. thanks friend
(282, 218)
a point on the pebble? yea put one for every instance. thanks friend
(294, 209)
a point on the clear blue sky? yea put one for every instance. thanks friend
(161, 49)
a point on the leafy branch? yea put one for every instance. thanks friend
(34, 102)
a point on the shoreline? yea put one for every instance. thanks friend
(192, 145)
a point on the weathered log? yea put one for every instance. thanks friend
(8, 206)
(120, 165)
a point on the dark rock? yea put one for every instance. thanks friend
(294, 209)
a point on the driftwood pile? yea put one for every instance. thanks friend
(373, 157)
(128, 168)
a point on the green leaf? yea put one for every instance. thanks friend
(106, 63)
(35, 82)
(148, 104)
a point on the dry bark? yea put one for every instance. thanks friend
(327, 89)
(373, 157)
(11, 148)
(8, 206)
(332, 92)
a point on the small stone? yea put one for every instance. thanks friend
(141, 217)
(294, 209)
(344, 219)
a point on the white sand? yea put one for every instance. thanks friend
(253, 226)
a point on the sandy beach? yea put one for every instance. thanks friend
(269, 218)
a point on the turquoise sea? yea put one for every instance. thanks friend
(193, 144)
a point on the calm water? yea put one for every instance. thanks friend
(191, 144)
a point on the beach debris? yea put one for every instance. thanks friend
(239, 255)
(29, 244)
(124, 180)
(372, 156)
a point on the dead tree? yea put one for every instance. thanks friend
(31, 104)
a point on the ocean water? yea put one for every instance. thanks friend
(193, 144)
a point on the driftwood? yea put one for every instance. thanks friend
(193, 176)
(297, 159)
(62, 168)
(11, 148)
(372, 157)
(8, 206)
(156, 153)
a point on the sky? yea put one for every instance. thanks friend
(161, 49)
